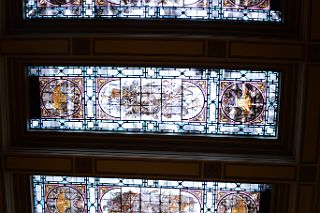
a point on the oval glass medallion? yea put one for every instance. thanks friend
(60, 2)
(154, 99)
(138, 200)
(247, 3)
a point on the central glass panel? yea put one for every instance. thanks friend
(150, 99)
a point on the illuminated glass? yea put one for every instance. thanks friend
(155, 100)
(114, 195)
(244, 10)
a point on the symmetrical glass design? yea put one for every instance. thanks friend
(61, 194)
(149, 99)
(244, 10)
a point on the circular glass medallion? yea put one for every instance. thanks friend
(237, 202)
(64, 199)
(113, 2)
(242, 102)
(61, 98)
(247, 3)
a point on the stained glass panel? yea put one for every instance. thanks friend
(150, 99)
(61, 97)
(111, 195)
(244, 10)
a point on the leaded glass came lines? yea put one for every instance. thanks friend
(243, 10)
(155, 100)
(110, 195)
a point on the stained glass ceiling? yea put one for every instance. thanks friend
(241, 10)
(110, 195)
(154, 100)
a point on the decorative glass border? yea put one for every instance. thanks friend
(154, 100)
(241, 10)
(106, 195)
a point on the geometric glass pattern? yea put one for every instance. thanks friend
(57, 194)
(241, 10)
(155, 100)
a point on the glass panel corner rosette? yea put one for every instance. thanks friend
(111, 195)
(241, 10)
(155, 100)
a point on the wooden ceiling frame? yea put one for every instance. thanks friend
(157, 143)
(291, 164)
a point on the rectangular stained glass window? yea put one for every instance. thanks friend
(115, 195)
(154, 100)
(243, 10)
